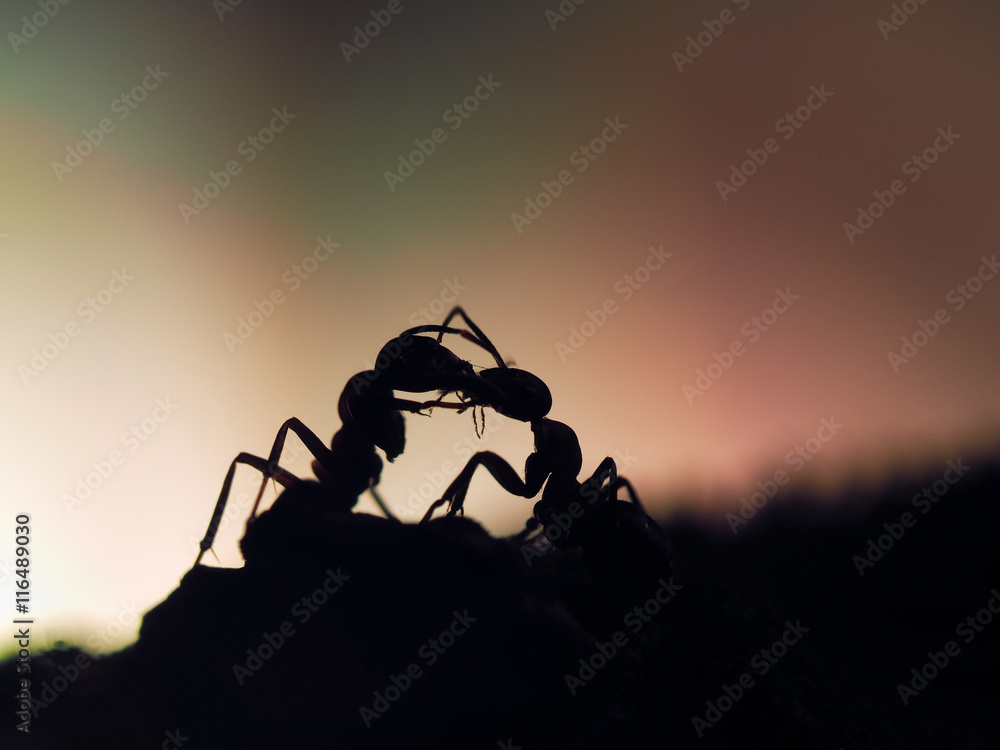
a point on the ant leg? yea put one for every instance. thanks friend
(630, 490)
(479, 340)
(315, 446)
(460, 407)
(608, 468)
(616, 482)
(430, 511)
(416, 407)
(434, 328)
(604, 480)
(483, 339)
(381, 504)
(285, 478)
(502, 472)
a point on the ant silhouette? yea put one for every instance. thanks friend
(514, 393)
(572, 514)
(371, 417)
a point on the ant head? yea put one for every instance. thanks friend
(526, 397)
(367, 421)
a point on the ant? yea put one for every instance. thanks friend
(371, 417)
(587, 515)
(572, 514)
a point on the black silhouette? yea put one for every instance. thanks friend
(349, 630)
(615, 536)
(371, 416)
(503, 683)
(619, 540)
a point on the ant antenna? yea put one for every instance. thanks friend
(475, 421)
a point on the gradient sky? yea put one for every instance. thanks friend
(403, 250)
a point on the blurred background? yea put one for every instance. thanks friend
(214, 214)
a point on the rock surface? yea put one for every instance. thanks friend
(350, 631)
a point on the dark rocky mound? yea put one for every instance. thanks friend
(350, 631)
